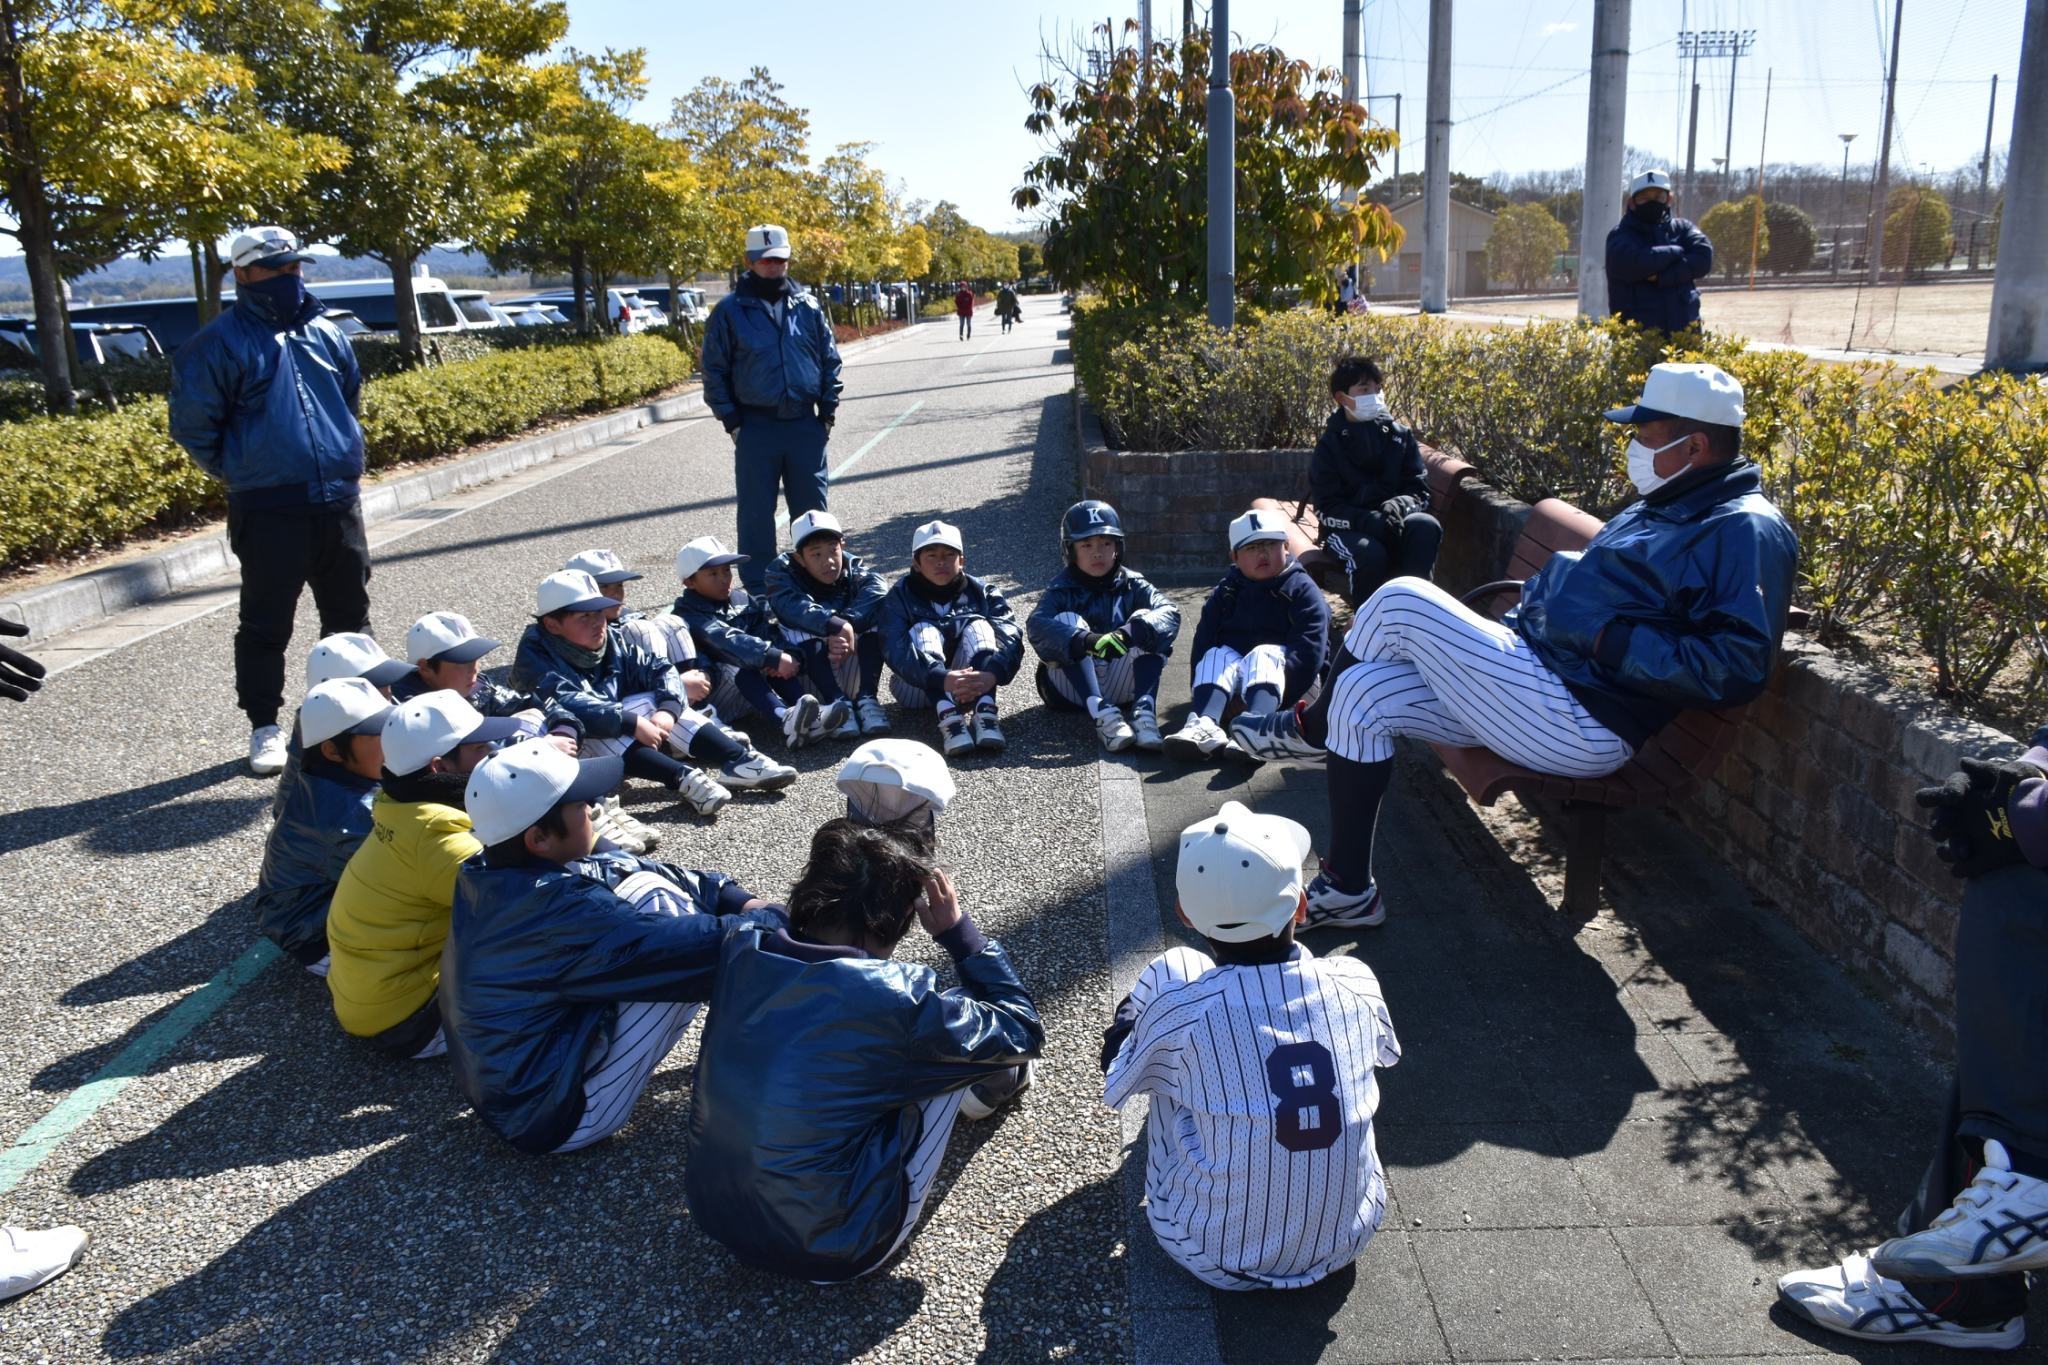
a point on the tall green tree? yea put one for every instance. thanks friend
(1524, 245)
(1732, 225)
(864, 212)
(1917, 224)
(750, 149)
(1792, 238)
(1123, 181)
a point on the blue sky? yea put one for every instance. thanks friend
(940, 87)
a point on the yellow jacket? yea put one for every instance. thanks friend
(390, 913)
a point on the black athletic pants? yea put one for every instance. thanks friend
(283, 551)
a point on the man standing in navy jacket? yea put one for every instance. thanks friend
(264, 398)
(1653, 259)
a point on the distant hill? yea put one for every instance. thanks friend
(171, 276)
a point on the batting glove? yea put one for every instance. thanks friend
(1114, 645)
(1970, 824)
(19, 674)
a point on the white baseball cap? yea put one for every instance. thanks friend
(341, 706)
(352, 655)
(267, 246)
(603, 565)
(769, 240)
(1701, 392)
(936, 533)
(515, 787)
(818, 523)
(1256, 525)
(569, 590)
(887, 779)
(1239, 877)
(1650, 180)
(705, 552)
(437, 723)
(446, 637)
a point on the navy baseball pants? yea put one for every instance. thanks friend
(774, 454)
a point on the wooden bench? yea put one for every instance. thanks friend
(1304, 535)
(1669, 764)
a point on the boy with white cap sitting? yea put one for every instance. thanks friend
(1258, 1056)
(323, 812)
(1261, 637)
(346, 654)
(569, 973)
(950, 640)
(447, 653)
(827, 603)
(611, 575)
(390, 912)
(734, 632)
(630, 701)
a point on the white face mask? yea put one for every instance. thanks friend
(1365, 407)
(1642, 465)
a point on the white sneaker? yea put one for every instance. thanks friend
(988, 731)
(1198, 741)
(957, 737)
(648, 836)
(756, 772)
(701, 791)
(1145, 728)
(611, 824)
(835, 721)
(29, 1260)
(873, 719)
(1331, 907)
(1856, 1301)
(1274, 738)
(1998, 1225)
(267, 754)
(983, 1098)
(1112, 729)
(800, 721)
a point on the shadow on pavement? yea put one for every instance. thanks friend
(111, 825)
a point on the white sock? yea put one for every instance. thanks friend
(1263, 701)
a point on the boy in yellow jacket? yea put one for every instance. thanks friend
(390, 912)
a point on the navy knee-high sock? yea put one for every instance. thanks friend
(868, 649)
(1356, 790)
(817, 657)
(753, 685)
(1146, 671)
(652, 765)
(714, 748)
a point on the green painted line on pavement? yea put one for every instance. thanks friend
(75, 1109)
(782, 517)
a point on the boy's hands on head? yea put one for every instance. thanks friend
(939, 909)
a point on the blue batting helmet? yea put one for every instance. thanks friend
(1091, 518)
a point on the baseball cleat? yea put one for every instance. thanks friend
(1274, 738)
(701, 791)
(30, 1259)
(984, 1098)
(1145, 728)
(1856, 1301)
(1998, 1225)
(1112, 729)
(1198, 741)
(800, 722)
(873, 719)
(957, 735)
(267, 752)
(1332, 907)
(756, 772)
(835, 721)
(988, 732)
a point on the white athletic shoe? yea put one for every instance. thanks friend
(800, 721)
(756, 772)
(988, 731)
(702, 792)
(1856, 1301)
(612, 823)
(983, 1098)
(1145, 728)
(267, 754)
(873, 719)
(31, 1259)
(957, 735)
(1112, 729)
(1331, 907)
(648, 836)
(1198, 741)
(835, 721)
(1274, 738)
(1998, 1225)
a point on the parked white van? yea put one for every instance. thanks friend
(371, 300)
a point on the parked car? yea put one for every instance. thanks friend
(372, 301)
(98, 342)
(347, 321)
(624, 308)
(476, 310)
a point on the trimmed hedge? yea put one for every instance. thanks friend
(1921, 509)
(70, 484)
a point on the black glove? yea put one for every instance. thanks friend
(19, 674)
(1393, 509)
(1114, 645)
(1971, 829)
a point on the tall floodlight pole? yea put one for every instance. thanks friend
(2018, 338)
(1354, 19)
(1145, 36)
(1736, 45)
(1732, 44)
(1606, 147)
(1436, 165)
(1842, 206)
(1984, 173)
(1222, 173)
(1691, 44)
(1884, 154)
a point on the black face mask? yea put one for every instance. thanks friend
(1651, 212)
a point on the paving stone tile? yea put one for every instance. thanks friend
(1525, 1294)
(1671, 1171)
(1375, 1311)
(1713, 1287)
(1501, 1175)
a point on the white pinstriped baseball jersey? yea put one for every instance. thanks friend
(1261, 1169)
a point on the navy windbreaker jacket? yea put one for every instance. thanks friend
(802, 603)
(596, 698)
(322, 817)
(977, 598)
(1676, 252)
(1288, 610)
(775, 355)
(1122, 599)
(737, 631)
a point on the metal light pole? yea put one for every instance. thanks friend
(1222, 113)
(1436, 165)
(1884, 153)
(1606, 148)
(1842, 206)
(1984, 173)
(1737, 44)
(2018, 338)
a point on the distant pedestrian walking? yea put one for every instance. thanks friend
(1653, 259)
(963, 308)
(1007, 308)
(771, 375)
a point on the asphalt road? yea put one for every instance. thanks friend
(267, 1190)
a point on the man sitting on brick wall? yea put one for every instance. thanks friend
(1956, 1276)
(1678, 604)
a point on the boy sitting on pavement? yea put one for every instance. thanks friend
(950, 641)
(390, 912)
(446, 654)
(569, 973)
(323, 813)
(1260, 639)
(629, 701)
(1261, 1170)
(1103, 633)
(1368, 484)
(830, 1075)
(611, 575)
(827, 603)
(735, 632)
